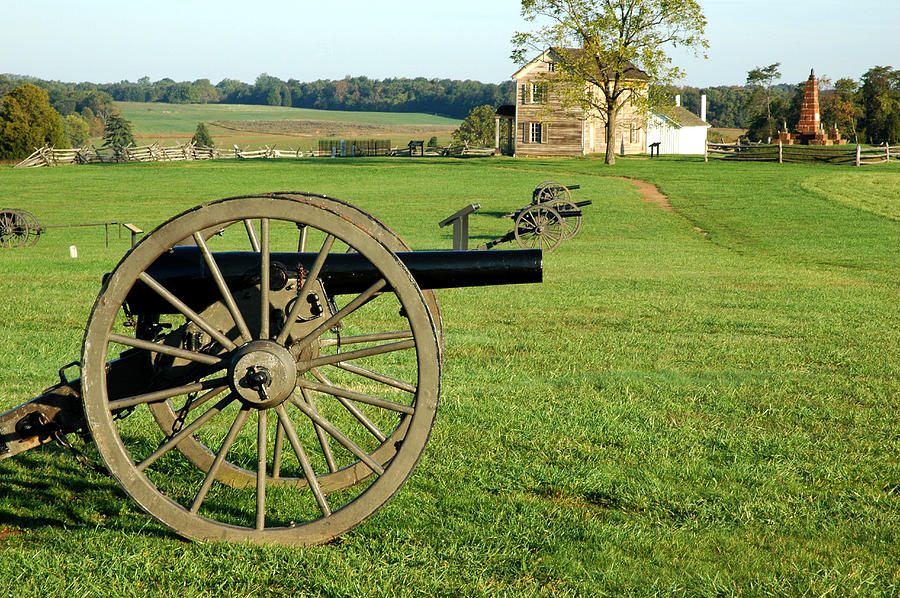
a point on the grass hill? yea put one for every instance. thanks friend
(275, 125)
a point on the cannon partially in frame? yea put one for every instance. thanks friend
(263, 368)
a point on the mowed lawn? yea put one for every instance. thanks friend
(696, 401)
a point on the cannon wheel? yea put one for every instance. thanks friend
(328, 426)
(203, 457)
(573, 223)
(34, 227)
(539, 226)
(549, 191)
(13, 229)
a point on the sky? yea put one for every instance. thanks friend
(106, 41)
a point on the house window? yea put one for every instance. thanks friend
(524, 94)
(634, 137)
(538, 93)
(551, 67)
(535, 133)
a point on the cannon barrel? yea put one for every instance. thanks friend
(184, 272)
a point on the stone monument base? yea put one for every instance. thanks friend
(820, 138)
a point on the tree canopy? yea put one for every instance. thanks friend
(27, 122)
(202, 136)
(760, 81)
(477, 128)
(118, 133)
(600, 43)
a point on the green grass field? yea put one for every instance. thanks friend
(698, 402)
(175, 123)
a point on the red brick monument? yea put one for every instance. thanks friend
(809, 129)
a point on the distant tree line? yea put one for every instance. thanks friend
(446, 97)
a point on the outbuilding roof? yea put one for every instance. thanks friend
(682, 117)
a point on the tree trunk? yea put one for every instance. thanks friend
(611, 113)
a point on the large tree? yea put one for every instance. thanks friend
(27, 122)
(599, 43)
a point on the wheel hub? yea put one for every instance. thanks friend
(263, 374)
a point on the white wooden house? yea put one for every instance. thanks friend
(678, 130)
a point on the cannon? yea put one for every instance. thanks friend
(262, 368)
(551, 218)
(21, 228)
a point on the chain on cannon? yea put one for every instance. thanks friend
(263, 368)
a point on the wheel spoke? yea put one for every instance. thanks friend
(166, 349)
(185, 432)
(366, 338)
(353, 409)
(277, 450)
(301, 243)
(236, 427)
(308, 471)
(337, 435)
(186, 311)
(264, 274)
(359, 353)
(355, 369)
(356, 396)
(223, 287)
(192, 405)
(261, 468)
(311, 276)
(166, 393)
(251, 233)
(320, 434)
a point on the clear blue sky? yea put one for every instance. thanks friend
(108, 41)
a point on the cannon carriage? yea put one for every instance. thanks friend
(19, 228)
(551, 218)
(263, 368)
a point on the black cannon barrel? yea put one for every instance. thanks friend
(184, 272)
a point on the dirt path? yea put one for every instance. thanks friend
(649, 193)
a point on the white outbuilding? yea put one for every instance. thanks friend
(678, 130)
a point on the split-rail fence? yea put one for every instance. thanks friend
(781, 153)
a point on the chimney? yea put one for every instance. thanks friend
(703, 107)
(678, 99)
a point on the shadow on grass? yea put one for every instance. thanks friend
(48, 488)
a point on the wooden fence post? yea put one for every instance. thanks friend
(705, 152)
(887, 152)
(857, 154)
(780, 153)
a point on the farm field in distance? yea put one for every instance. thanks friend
(699, 401)
(256, 126)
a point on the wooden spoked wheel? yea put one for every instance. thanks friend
(539, 227)
(342, 389)
(203, 457)
(13, 228)
(34, 227)
(573, 223)
(549, 191)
